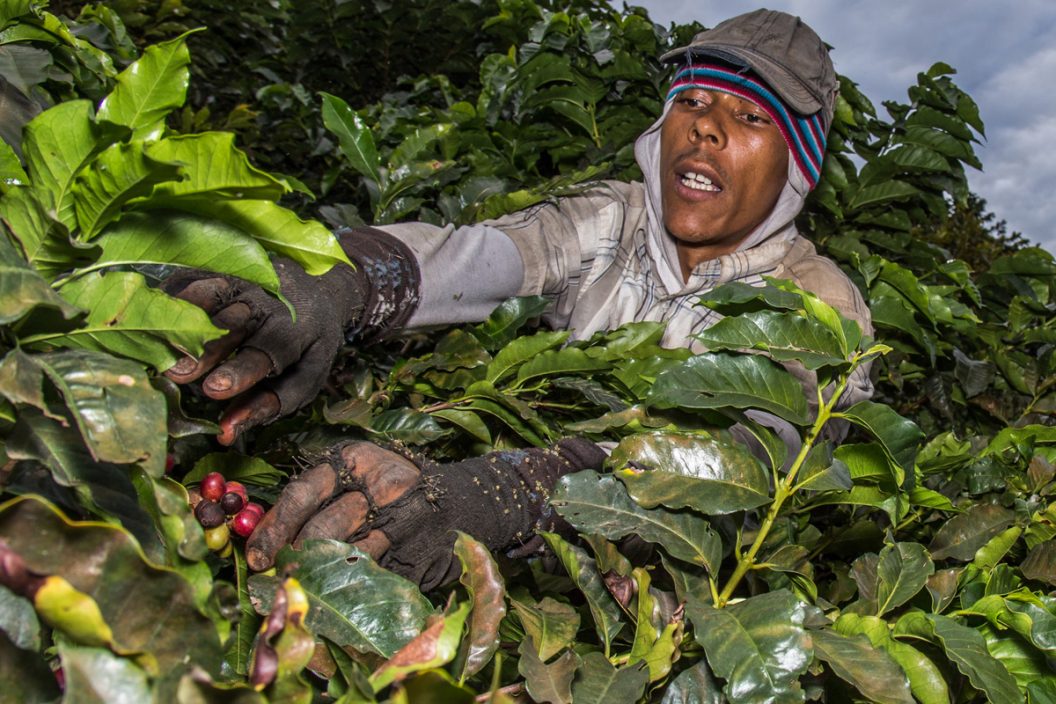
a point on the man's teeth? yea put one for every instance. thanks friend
(698, 182)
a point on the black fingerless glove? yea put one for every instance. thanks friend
(500, 499)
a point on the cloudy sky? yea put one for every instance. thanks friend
(1005, 56)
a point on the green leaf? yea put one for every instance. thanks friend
(823, 472)
(783, 336)
(550, 623)
(655, 644)
(987, 557)
(407, 425)
(118, 413)
(22, 289)
(277, 229)
(487, 592)
(128, 318)
(925, 679)
(105, 563)
(903, 571)
(882, 193)
(546, 684)
(703, 473)
(18, 620)
(24, 675)
(584, 572)
(737, 298)
(57, 143)
(1040, 563)
(149, 89)
(598, 682)
(720, 380)
(900, 437)
(966, 649)
(96, 675)
(500, 329)
(11, 171)
(213, 167)
(353, 602)
(757, 645)
(170, 237)
(434, 647)
(961, 536)
(1025, 663)
(857, 661)
(357, 143)
(522, 350)
(695, 685)
(599, 504)
(570, 360)
(115, 176)
(235, 467)
(468, 421)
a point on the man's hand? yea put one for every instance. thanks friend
(294, 357)
(404, 511)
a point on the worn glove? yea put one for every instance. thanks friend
(404, 510)
(294, 357)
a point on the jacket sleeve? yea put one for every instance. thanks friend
(542, 250)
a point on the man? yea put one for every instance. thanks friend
(726, 167)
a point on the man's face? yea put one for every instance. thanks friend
(723, 164)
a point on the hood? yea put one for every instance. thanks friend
(778, 224)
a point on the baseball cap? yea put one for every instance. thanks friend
(780, 48)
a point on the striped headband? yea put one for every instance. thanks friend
(805, 136)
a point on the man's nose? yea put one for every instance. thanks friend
(709, 128)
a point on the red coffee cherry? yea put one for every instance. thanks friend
(244, 523)
(212, 486)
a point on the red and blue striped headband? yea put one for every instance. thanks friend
(805, 135)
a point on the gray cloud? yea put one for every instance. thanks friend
(1005, 58)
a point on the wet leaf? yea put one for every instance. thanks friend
(550, 623)
(899, 436)
(95, 675)
(547, 683)
(502, 325)
(19, 621)
(149, 89)
(695, 685)
(757, 645)
(942, 586)
(353, 601)
(961, 536)
(569, 360)
(783, 336)
(966, 649)
(720, 380)
(487, 593)
(902, 571)
(699, 472)
(435, 646)
(597, 504)
(598, 682)
(871, 671)
(584, 572)
(925, 679)
(521, 350)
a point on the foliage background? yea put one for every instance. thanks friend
(911, 562)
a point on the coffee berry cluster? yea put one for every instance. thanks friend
(222, 507)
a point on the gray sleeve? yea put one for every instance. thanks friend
(466, 272)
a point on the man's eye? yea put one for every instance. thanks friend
(691, 102)
(755, 119)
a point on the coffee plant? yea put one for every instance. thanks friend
(901, 549)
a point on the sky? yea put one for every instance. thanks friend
(1005, 56)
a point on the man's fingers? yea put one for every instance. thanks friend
(246, 412)
(237, 375)
(207, 294)
(337, 521)
(235, 319)
(387, 475)
(375, 544)
(301, 498)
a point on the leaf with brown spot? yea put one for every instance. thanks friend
(435, 646)
(481, 577)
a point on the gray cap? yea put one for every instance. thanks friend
(781, 49)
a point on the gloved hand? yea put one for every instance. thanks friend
(404, 510)
(294, 357)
